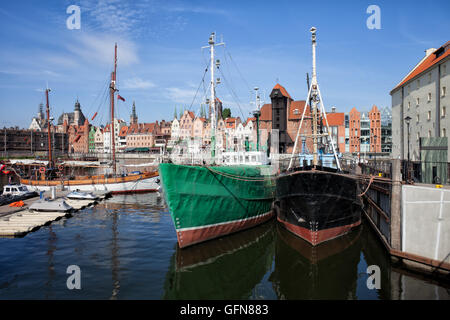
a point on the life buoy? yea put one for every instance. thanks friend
(60, 167)
(42, 169)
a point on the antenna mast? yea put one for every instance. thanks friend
(257, 114)
(315, 97)
(212, 44)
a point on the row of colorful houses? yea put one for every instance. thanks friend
(355, 132)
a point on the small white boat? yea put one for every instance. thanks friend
(78, 195)
(44, 205)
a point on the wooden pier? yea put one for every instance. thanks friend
(17, 222)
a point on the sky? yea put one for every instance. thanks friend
(161, 62)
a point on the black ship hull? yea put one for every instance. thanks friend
(318, 205)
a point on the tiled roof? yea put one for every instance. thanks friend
(427, 63)
(282, 89)
(250, 119)
(336, 119)
(123, 131)
(266, 112)
(297, 105)
(232, 122)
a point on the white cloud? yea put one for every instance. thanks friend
(181, 95)
(99, 48)
(137, 83)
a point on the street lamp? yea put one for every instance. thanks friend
(375, 147)
(407, 120)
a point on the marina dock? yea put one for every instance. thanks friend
(17, 222)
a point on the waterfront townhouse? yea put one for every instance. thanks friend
(336, 122)
(186, 125)
(422, 96)
(99, 147)
(92, 132)
(79, 138)
(122, 139)
(118, 124)
(142, 135)
(420, 118)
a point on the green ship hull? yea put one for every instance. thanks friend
(209, 202)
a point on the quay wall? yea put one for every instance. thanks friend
(426, 221)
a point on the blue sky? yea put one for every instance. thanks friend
(160, 63)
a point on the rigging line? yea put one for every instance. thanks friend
(235, 65)
(101, 102)
(203, 79)
(233, 94)
(98, 95)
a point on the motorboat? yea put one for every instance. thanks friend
(79, 195)
(48, 205)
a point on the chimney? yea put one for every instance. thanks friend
(429, 51)
(333, 109)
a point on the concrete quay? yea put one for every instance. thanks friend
(412, 221)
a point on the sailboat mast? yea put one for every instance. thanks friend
(112, 89)
(50, 158)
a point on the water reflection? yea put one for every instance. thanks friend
(225, 268)
(326, 271)
(126, 248)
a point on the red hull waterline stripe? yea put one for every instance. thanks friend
(133, 191)
(316, 237)
(190, 236)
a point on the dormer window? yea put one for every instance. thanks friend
(296, 111)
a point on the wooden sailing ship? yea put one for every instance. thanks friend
(53, 174)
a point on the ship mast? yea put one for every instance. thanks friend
(257, 114)
(212, 44)
(112, 90)
(50, 158)
(315, 97)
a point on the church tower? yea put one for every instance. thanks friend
(76, 113)
(133, 117)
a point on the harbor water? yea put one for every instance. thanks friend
(126, 248)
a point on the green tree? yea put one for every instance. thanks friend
(226, 113)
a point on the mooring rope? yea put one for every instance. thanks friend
(367, 189)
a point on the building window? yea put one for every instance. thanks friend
(417, 118)
(444, 132)
(418, 84)
(444, 69)
(409, 104)
(418, 136)
(429, 77)
(443, 111)
(429, 133)
(417, 101)
(429, 96)
(429, 115)
(443, 91)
